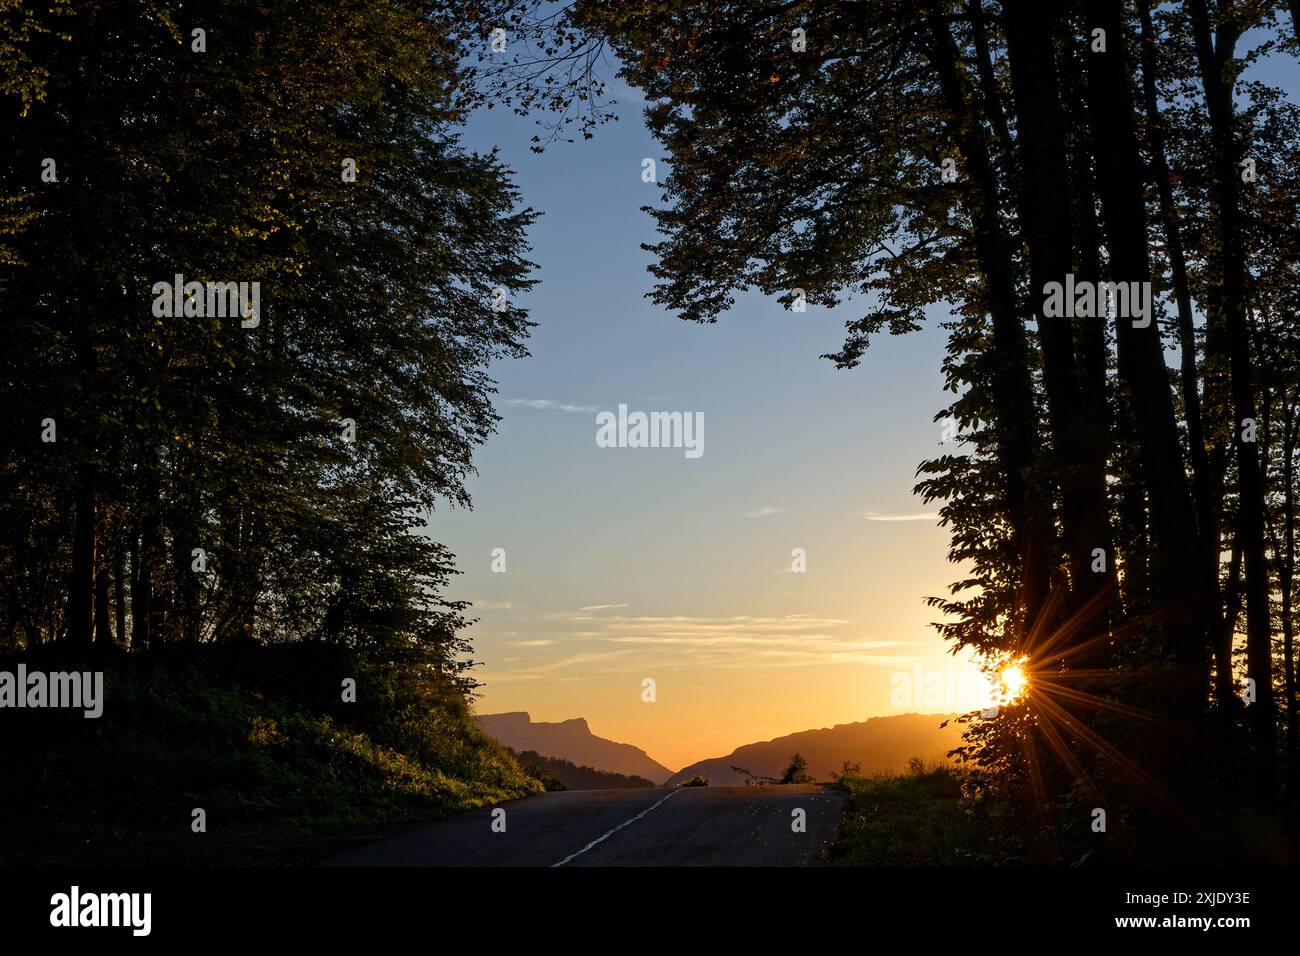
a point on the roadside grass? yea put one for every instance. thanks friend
(920, 818)
(260, 740)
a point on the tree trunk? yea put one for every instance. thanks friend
(119, 588)
(1091, 344)
(987, 76)
(1213, 53)
(182, 524)
(1287, 580)
(143, 610)
(1046, 215)
(1143, 371)
(103, 620)
(1207, 482)
(1017, 432)
(81, 591)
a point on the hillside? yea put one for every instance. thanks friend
(571, 740)
(880, 744)
(559, 774)
(258, 738)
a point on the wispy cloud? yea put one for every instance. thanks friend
(744, 640)
(689, 643)
(602, 607)
(493, 677)
(493, 605)
(549, 405)
(734, 623)
(538, 643)
(588, 657)
(765, 511)
(914, 516)
(813, 641)
(805, 658)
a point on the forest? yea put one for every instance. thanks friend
(1101, 197)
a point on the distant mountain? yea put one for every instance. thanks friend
(571, 740)
(878, 744)
(559, 774)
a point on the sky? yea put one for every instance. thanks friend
(624, 564)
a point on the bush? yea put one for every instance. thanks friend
(923, 819)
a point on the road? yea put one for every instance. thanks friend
(692, 826)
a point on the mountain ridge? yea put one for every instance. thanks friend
(571, 740)
(879, 744)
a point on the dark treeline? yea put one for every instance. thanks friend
(1121, 495)
(557, 773)
(175, 475)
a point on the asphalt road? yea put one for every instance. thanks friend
(693, 826)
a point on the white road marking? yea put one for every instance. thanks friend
(601, 839)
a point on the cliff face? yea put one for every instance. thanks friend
(571, 740)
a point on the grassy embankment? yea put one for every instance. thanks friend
(259, 738)
(920, 818)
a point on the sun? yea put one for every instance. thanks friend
(1015, 681)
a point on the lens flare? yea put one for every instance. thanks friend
(1015, 681)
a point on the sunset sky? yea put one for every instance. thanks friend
(628, 563)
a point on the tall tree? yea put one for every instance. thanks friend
(246, 474)
(1215, 46)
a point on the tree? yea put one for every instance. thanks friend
(849, 768)
(796, 771)
(216, 479)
